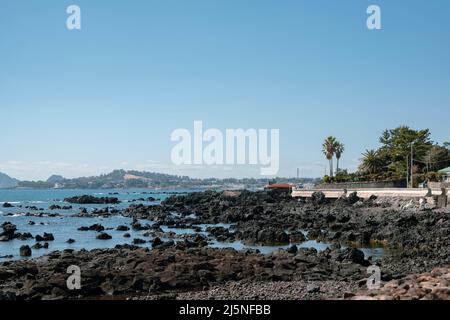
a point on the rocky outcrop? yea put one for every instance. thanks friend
(86, 199)
(45, 237)
(133, 271)
(8, 231)
(95, 227)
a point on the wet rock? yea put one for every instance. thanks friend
(70, 240)
(139, 241)
(7, 205)
(8, 231)
(23, 236)
(292, 249)
(103, 236)
(45, 237)
(126, 235)
(122, 228)
(95, 227)
(25, 251)
(87, 199)
(272, 236)
(350, 254)
(37, 245)
(297, 237)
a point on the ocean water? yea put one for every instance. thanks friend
(66, 226)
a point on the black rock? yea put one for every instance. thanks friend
(23, 236)
(156, 242)
(8, 231)
(25, 251)
(352, 198)
(45, 237)
(37, 245)
(95, 227)
(86, 199)
(7, 205)
(318, 197)
(292, 249)
(103, 236)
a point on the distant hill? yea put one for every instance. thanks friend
(7, 182)
(55, 179)
(137, 179)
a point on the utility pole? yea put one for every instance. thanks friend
(412, 164)
(407, 171)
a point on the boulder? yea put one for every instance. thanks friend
(25, 251)
(8, 231)
(45, 237)
(156, 242)
(272, 236)
(292, 249)
(103, 236)
(318, 197)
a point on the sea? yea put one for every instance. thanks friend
(65, 225)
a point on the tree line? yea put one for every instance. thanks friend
(402, 151)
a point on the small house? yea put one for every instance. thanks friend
(445, 174)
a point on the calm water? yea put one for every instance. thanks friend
(65, 226)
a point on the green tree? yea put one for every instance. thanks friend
(370, 162)
(328, 149)
(396, 147)
(338, 150)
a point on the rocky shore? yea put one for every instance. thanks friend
(434, 285)
(130, 271)
(416, 239)
(419, 240)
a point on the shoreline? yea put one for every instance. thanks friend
(190, 269)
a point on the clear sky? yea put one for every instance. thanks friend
(109, 95)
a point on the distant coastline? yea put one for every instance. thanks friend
(127, 179)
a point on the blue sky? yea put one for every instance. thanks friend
(109, 95)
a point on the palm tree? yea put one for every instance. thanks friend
(370, 161)
(328, 150)
(338, 150)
